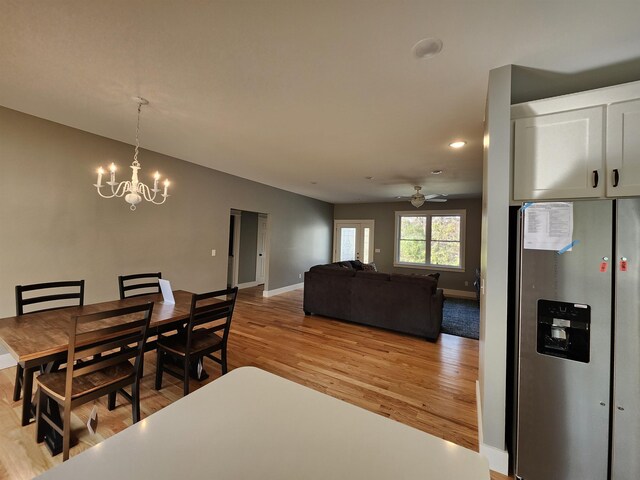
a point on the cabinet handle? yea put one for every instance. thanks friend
(595, 179)
(616, 177)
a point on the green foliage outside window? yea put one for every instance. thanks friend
(444, 244)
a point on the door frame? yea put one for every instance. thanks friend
(236, 247)
(369, 223)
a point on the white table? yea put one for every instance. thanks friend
(251, 424)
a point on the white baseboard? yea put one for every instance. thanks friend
(498, 458)
(248, 285)
(448, 292)
(278, 291)
(6, 361)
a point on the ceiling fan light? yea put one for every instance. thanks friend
(417, 201)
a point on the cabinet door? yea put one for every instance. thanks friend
(559, 155)
(623, 149)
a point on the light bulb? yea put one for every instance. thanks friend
(157, 176)
(101, 171)
(112, 167)
(166, 182)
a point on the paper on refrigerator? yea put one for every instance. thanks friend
(548, 226)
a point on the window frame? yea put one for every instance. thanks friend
(429, 214)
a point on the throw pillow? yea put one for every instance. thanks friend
(356, 264)
(369, 267)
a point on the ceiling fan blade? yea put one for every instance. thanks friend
(436, 200)
(432, 195)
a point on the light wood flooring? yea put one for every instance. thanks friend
(429, 386)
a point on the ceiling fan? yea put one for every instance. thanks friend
(418, 198)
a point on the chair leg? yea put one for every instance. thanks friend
(135, 401)
(39, 422)
(159, 360)
(111, 402)
(186, 376)
(17, 387)
(66, 431)
(223, 359)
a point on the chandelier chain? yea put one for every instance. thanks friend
(135, 154)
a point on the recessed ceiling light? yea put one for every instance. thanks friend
(369, 178)
(427, 47)
(436, 172)
(458, 144)
(313, 183)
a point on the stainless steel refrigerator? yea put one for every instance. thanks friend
(578, 384)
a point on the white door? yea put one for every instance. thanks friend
(353, 240)
(559, 155)
(623, 149)
(262, 250)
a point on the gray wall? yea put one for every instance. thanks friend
(54, 226)
(384, 216)
(248, 247)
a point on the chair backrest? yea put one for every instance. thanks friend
(210, 314)
(116, 336)
(58, 295)
(139, 281)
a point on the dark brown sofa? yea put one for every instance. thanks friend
(403, 303)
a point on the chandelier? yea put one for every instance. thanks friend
(133, 191)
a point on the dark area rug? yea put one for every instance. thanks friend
(461, 317)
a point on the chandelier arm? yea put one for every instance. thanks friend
(144, 190)
(114, 191)
(122, 188)
(164, 199)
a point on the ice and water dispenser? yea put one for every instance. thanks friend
(563, 330)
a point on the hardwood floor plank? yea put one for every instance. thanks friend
(429, 386)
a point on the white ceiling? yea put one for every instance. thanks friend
(289, 93)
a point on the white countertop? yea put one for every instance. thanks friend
(251, 424)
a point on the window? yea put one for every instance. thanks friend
(430, 239)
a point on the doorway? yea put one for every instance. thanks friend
(353, 240)
(248, 249)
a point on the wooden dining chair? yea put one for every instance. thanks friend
(201, 338)
(47, 296)
(139, 281)
(98, 363)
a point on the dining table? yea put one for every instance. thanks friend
(40, 340)
(252, 424)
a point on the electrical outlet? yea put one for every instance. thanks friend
(466, 284)
(213, 253)
(300, 275)
(377, 250)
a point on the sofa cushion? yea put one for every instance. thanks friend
(415, 279)
(370, 275)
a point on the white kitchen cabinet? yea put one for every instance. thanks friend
(623, 149)
(559, 155)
